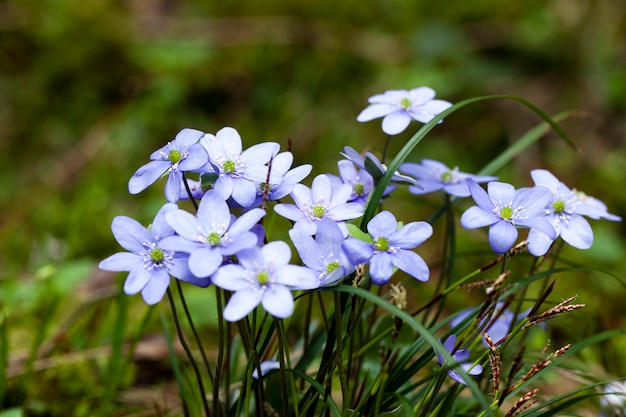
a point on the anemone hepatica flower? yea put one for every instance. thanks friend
(399, 107)
(498, 326)
(323, 254)
(212, 234)
(148, 263)
(565, 211)
(239, 173)
(503, 208)
(264, 276)
(319, 201)
(434, 176)
(360, 180)
(614, 398)
(373, 166)
(390, 247)
(460, 356)
(289, 177)
(266, 368)
(182, 154)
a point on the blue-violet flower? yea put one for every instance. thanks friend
(460, 356)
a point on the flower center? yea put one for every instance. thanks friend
(332, 266)
(381, 244)
(506, 213)
(175, 156)
(447, 177)
(263, 277)
(214, 238)
(406, 103)
(558, 206)
(229, 166)
(358, 188)
(318, 211)
(157, 255)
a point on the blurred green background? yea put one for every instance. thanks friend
(88, 89)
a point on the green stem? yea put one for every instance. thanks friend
(194, 365)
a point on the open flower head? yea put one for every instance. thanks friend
(434, 176)
(461, 357)
(149, 265)
(399, 107)
(212, 234)
(289, 177)
(183, 154)
(324, 253)
(565, 210)
(374, 167)
(503, 209)
(319, 201)
(239, 173)
(263, 276)
(390, 247)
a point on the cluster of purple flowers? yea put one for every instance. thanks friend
(216, 247)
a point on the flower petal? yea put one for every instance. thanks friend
(475, 217)
(241, 303)
(147, 175)
(375, 111)
(205, 261)
(381, 268)
(502, 236)
(278, 301)
(396, 122)
(411, 263)
(130, 234)
(411, 235)
(154, 290)
(577, 232)
(121, 261)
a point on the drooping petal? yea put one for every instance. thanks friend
(411, 263)
(278, 301)
(577, 232)
(137, 278)
(205, 261)
(147, 175)
(173, 186)
(502, 236)
(225, 185)
(244, 192)
(538, 243)
(154, 290)
(130, 234)
(381, 268)
(121, 261)
(241, 303)
(396, 122)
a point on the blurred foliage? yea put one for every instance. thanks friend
(89, 89)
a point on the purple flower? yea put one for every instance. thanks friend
(460, 356)
(373, 166)
(498, 326)
(264, 276)
(148, 263)
(503, 209)
(389, 247)
(565, 212)
(266, 367)
(323, 254)
(398, 107)
(319, 201)
(594, 208)
(182, 154)
(281, 165)
(360, 180)
(434, 176)
(212, 234)
(239, 174)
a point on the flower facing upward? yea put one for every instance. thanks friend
(389, 247)
(148, 263)
(319, 201)
(182, 154)
(399, 107)
(212, 234)
(434, 176)
(323, 254)
(565, 211)
(264, 276)
(460, 356)
(239, 173)
(502, 208)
